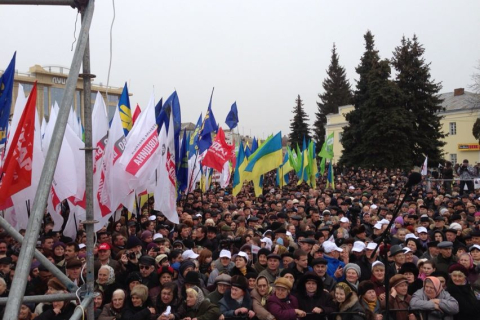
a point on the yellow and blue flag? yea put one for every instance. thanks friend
(254, 145)
(330, 177)
(239, 176)
(125, 111)
(232, 117)
(268, 157)
(283, 171)
(6, 89)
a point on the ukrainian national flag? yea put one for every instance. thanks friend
(125, 111)
(312, 164)
(268, 157)
(283, 171)
(330, 177)
(239, 176)
(6, 89)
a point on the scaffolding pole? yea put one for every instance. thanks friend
(87, 120)
(41, 2)
(72, 287)
(44, 298)
(19, 283)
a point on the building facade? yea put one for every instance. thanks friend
(51, 81)
(461, 110)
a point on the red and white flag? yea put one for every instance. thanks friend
(141, 155)
(17, 170)
(165, 192)
(218, 153)
(136, 113)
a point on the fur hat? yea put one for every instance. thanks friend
(397, 279)
(132, 242)
(239, 282)
(409, 267)
(284, 283)
(192, 277)
(364, 286)
(141, 291)
(55, 284)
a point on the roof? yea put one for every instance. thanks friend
(466, 101)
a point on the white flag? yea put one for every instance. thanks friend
(141, 154)
(225, 176)
(424, 171)
(165, 191)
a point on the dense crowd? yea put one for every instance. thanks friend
(293, 253)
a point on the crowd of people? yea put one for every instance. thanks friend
(293, 253)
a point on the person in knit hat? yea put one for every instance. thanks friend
(462, 291)
(352, 273)
(347, 301)
(237, 301)
(282, 304)
(138, 307)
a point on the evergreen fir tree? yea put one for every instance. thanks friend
(299, 125)
(420, 98)
(352, 135)
(337, 93)
(385, 125)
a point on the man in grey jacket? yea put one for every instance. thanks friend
(467, 174)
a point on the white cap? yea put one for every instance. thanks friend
(475, 246)
(199, 215)
(358, 246)
(157, 236)
(344, 220)
(329, 246)
(377, 226)
(351, 188)
(371, 246)
(243, 255)
(81, 246)
(384, 221)
(410, 236)
(407, 250)
(456, 226)
(422, 230)
(377, 263)
(152, 218)
(295, 201)
(225, 254)
(373, 206)
(189, 254)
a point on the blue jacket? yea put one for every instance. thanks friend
(332, 266)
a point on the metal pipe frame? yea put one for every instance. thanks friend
(44, 298)
(41, 2)
(87, 120)
(33, 229)
(72, 287)
(79, 311)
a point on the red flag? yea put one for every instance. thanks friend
(136, 113)
(218, 153)
(18, 163)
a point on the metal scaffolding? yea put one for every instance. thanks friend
(28, 248)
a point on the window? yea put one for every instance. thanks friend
(453, 128)
(453, 158)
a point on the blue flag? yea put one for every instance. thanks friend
(232, 117)
(6, 89)
(254, 145)
(172, 105)
(192, 144)
(209, 126)
(182, 169)
(160, 118)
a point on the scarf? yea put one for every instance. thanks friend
(243, 270)
(436, 284)
(371, 305)
(111, 276)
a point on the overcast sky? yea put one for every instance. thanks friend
(260, 53)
